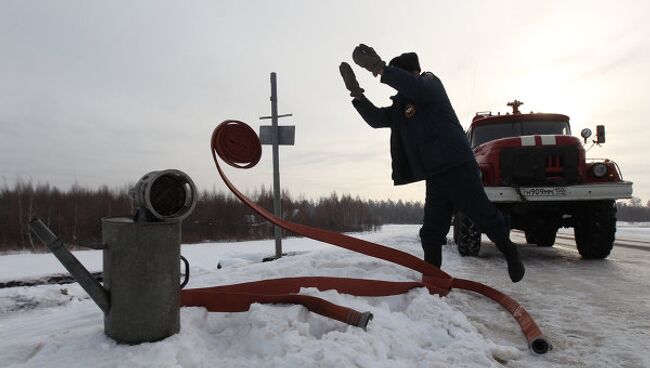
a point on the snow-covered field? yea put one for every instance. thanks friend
(596, 313)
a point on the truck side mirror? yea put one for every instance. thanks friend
(600, 134)
(585, 134)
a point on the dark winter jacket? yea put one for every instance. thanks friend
(426, 137)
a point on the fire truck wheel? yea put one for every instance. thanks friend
(543, 236)
(456, 227)
(469, 237)
(595, 229)
(530, 238)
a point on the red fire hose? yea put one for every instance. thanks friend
(238, 145)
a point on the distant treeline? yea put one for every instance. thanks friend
(74, 214)
(633, 211)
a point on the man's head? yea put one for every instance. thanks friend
(407, 61)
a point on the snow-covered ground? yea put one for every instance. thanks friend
(596, 313)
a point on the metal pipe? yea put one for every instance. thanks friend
(142, 274)
(72, 264)
(277, 208)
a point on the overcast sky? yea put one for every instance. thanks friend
(102, 92)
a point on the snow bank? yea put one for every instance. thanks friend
(59, 326)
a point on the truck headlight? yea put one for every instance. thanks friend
(599, 170)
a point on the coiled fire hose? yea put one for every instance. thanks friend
(239, 146)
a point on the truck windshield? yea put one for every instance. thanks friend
(490, 132)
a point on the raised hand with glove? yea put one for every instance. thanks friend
(367, 58)
(350, 80)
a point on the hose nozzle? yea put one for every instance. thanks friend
(364, 319)
(540, 345)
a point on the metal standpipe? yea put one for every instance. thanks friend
(140, 297)
(141, 274)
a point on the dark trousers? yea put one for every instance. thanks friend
(460, 189)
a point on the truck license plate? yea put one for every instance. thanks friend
(544, 191)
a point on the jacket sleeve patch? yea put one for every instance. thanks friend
(409, 110)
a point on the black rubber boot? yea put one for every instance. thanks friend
(516, 268)
(433, 255)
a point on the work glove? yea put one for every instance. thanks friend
(350, 80)
(367, 58)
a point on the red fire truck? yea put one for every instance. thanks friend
(538, 175)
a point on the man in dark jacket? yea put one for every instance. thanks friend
(428, 143)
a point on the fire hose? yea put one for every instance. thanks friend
(238, 145)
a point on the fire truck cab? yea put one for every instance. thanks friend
(538, 175)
